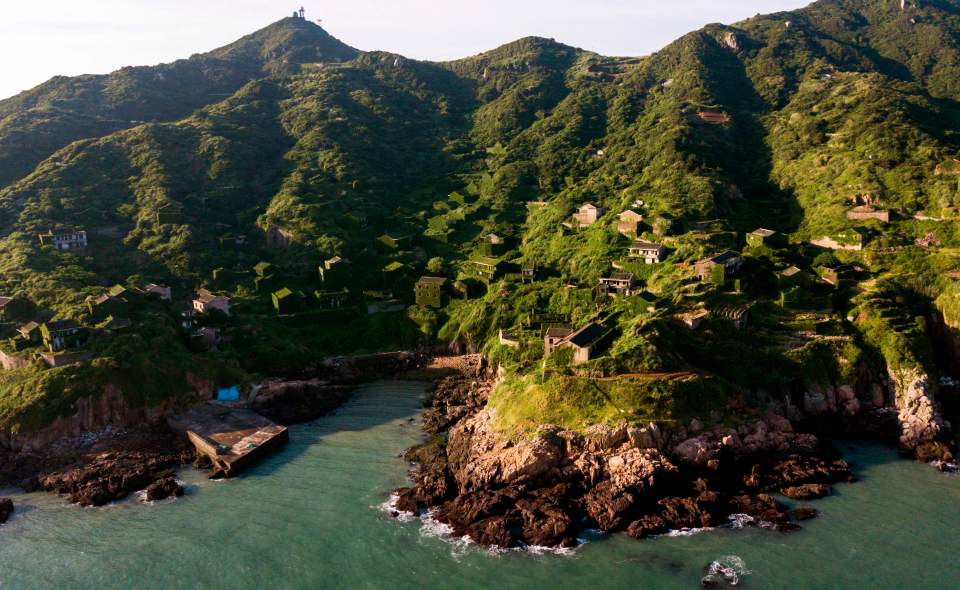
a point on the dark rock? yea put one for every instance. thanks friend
(809, 491)
(933, 451)
(608, 507)
(407, 501)
(164, 489)
(492, 532)
(803, 513)
(6, 509)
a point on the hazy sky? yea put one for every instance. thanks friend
(41, 39)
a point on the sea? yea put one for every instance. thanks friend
(316, 515)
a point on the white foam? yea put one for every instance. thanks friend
(738, 521)
(390, 507)
(687, 532)
(728, 569)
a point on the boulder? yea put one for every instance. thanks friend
(810, 491)
(163, 489)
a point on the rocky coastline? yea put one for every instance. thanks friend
(96, 467)
(641, 480)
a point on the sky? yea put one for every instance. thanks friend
(71, 37)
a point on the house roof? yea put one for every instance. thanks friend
(28, 327)
(558, 332)
(724, 257)
(432, 281)
(620, 276)
(589, 205)
(4, 301)
(61, 325)
(630, 213)
(763, 232)
(486, 261)
(206, 296)
(643, 245)
(283, 293)
(586, 335)
(790, 271)
(104, 299)
(332, 261)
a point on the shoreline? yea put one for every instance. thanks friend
(551, 491)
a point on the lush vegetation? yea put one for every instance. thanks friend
(245, 169)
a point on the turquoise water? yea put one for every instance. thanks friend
(309, 518)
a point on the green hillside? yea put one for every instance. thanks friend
(245, 169)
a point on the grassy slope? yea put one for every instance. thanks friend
(850, 99)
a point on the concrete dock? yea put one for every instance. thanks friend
(230, 436)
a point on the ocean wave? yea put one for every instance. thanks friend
(390, 507)
(687, 532)
(433, 528)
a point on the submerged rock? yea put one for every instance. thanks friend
(6, 509)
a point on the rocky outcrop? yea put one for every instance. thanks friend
(292, 402)
(131, 463)
(165, 488)
(921, 424)
(545, 489)
(6, 509)
(295, 401)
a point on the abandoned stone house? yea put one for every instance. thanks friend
(162, 291)
(528, 274)
(65, 239)
(508, 339)
(650, 252)
(552, 338)
(585, 342)
(186, 316)
(106, 305)
(332, 299)
(737, 315)
(693, 319)
(790, 277)
(762, 237)
(30, 332)
(486, 268)
(587, 214)
(628, 222)
(862, 212)
(205, 302)
(63, 334)
(620, 283)
(429, 291)
(334, 272)
(286, 301)
(729, 261)
(712, 117)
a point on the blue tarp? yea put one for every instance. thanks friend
(228, 394)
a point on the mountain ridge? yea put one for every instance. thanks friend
(405, 168)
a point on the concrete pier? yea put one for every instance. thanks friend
(232, 437)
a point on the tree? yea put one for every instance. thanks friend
(435, 265)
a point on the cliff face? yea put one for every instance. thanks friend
(917, 408)
(95, 413)
(639, 479)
